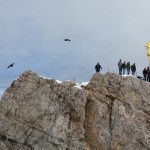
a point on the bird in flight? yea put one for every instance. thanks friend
(11, 65)
(67, 40)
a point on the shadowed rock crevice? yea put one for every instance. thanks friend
(111, 99)
(12, 143)
(92, 138)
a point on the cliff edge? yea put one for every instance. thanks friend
(110, 113)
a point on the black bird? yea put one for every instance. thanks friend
(11, 65)
(67, 40)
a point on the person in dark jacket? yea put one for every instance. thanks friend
(145, 74)
(124, 67)
(133, 69)
(148, 74)
(98, 67)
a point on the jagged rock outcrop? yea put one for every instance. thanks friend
(110, 113)
(117, 113)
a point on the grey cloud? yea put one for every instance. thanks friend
(32, 34)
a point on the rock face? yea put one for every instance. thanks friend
(117, 113)
(110, 113)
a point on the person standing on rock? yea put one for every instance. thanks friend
(133, 69)
(148, 74)
(124, 67)
(128, 68)
(120, 67)
(145, 74)
(98, 67)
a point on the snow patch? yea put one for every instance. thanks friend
(79, 85)
(58, 81)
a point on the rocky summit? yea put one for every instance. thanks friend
(110, 113)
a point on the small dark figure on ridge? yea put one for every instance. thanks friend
(133, 69)
(98, 67)
(145, 74)
(128, 68)
(148, 74)
(124, 67)
(120, 67)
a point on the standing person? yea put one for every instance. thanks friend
(120, 67)
(98, 67)
(133, 69)
(124, 67)
(128, 68)
(148, 74)
(145, 74)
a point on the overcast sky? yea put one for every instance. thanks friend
(32, 33)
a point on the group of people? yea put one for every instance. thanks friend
(126, 66)
(122, 67)
(146, 74)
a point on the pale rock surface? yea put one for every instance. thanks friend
(117, 115)
(110, 113)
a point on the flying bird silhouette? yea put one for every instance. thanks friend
(11, 65)
(67, 40)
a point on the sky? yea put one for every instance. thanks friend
(32, 33)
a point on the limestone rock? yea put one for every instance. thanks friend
(40, 114)
(110, 113)
(117, 113)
